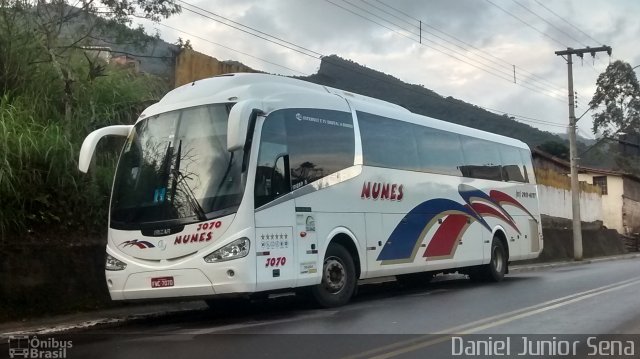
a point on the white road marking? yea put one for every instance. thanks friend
(423, 341)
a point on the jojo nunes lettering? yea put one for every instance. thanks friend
(377, 190)
(204, 234)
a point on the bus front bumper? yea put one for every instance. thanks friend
(156, 284)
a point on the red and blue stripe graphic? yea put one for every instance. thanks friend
(138, 243)
(454, 219)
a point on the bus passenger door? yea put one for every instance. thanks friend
(274, 220)
(274, 248)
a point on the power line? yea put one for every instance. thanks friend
(549, 23)
(532, 87)
(500, 70)
(566, 21)
(410, 38)
(243, 28)
(529, 74)
(486, 58)
(400, 84)
(526, 23)
(232, 49)
(522, 118)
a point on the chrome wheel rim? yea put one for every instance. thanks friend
(334, 275)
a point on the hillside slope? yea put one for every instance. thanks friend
(347, 75)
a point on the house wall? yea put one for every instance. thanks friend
(631, 205)
(631, 215)
(556, 202)
(192, 66)
(542, 163)
(611, 202)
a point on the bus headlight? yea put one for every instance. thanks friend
(236, 249)
(114, 263)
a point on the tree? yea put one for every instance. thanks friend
(555, 148)
(54, 89)
(616, 101)
(60, 32)
(183, 45)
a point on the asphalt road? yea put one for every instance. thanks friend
(562, 306)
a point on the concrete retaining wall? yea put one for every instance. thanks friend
(556, 202)
(47, 278)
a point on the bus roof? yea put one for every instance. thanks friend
(241, 86)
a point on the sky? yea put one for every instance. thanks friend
(469, 47)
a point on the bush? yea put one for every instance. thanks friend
(40, 186)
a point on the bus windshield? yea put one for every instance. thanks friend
(175, 169)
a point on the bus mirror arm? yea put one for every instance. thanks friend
(91, 141)
(249, 138)
(241, 122)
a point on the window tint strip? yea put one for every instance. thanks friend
(391, 143)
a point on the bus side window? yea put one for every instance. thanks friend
(512, 165)
(529, 175)
(439, 151)
(388, 143)
(272, 179)
(320, 142)
(482, 159)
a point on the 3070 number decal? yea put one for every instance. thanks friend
(209, 225)
(275, 261)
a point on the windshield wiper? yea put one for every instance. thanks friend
(191, 199)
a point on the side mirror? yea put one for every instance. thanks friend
(90, 142)
(238, 124)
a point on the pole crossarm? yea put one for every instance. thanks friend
(586, 50)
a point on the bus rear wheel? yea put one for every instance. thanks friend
(495, 270)
(338, 278)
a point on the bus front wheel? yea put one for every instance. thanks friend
(338, 278)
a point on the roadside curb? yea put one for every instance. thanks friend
(548, 265)
(103, 322)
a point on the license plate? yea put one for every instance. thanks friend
(161, 282)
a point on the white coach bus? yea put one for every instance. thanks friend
(250, 183)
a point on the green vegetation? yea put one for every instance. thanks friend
(52, 94)
(616, 103)
(555, 148)
(616, 114)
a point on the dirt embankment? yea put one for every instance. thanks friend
(47, 275)
(596, 240)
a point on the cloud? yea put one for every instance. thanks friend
(499, 42)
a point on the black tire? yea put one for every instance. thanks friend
(414, 280)
(338, 278)
(495, 270)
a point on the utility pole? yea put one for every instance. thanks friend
(573, 152)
